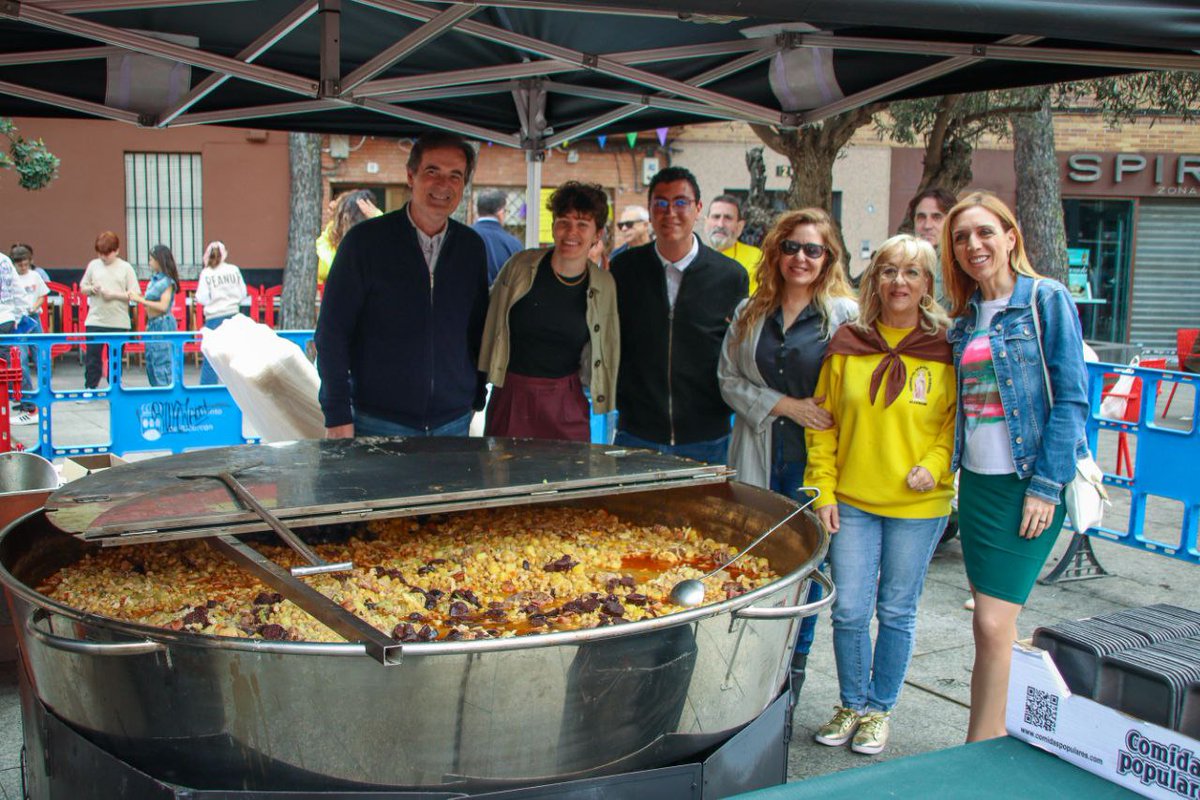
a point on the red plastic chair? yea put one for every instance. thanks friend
(192, 318)
(139, 324)
(66, 314)
(270, 297)
(10, 383)
(1185, 345)
(1133, 407)
(255, 294)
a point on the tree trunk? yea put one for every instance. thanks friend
(811, 152)
(757, 210)
(1039, 201)
(298, 305)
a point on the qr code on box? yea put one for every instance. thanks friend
(1041, 709)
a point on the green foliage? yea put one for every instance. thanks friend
(963, 117)
(35, 165)
(1131, 98)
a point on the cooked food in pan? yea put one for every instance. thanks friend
(472, 575)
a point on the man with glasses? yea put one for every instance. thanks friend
(675, 298)
(633, 229)
(723, 226)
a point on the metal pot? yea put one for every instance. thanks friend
(219, 712)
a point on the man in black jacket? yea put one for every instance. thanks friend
(675, 297)
(402, 316)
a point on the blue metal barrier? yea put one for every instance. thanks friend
(171, 418)
(1164, 465)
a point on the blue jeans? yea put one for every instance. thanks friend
(28, 324)
(367, 425)
(158, 353)
(786, 478)
(714, 451)
(879, 566)
(208, 375)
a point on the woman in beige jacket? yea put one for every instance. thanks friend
(552, 320)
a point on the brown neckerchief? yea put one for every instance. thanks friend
(850, 340)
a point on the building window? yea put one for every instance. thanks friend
(163, 205)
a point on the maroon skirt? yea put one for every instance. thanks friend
(539, 408)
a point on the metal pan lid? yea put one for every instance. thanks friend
(344, 480)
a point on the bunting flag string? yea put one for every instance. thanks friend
(662, 136)
(631, 138)
(602, 139)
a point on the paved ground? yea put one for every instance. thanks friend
(932, 712)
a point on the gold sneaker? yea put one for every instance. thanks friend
(872, 735)
(839, 729)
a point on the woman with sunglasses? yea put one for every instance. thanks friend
(552, 317)
(883, 470)
(772, 356)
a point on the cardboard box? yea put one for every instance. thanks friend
(78, 466)
(1144, 758)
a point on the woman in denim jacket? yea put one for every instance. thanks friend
(1016, 450)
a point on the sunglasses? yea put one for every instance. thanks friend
(811, 249)
(627, 224)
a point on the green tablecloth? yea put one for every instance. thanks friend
(999, 768)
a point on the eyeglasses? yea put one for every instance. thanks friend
(629, 223)
(910, 274)
(811, 249)
(679, 203)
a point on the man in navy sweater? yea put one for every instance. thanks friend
(402, 316)
(500, 244)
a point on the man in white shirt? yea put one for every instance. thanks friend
(675, 298)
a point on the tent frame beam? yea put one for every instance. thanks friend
(149, 45)
(248, 54)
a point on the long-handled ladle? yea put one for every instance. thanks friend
(690, 591)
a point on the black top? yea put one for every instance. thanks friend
(790, 362)
(391, 341)
(547, 328)
(667, 389)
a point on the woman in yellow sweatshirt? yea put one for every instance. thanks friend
(884, 474)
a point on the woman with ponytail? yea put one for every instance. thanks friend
(220, 291)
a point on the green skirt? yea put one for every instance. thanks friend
(999, 562)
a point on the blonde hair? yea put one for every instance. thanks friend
(899, 251)
(830, 284)
(957, 284)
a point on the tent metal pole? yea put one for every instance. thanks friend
(1000, 52)
(255, 112)
(141, 43)
(532, 69)
(528, 69)
(903, 82)
(62, 101)
(69, 54)
(602, 64)
(533, 196)
(408, 45)
(716, 73)
(252, 51)
(69, 6)
(329, 12)
(650, 101)
(436, 121)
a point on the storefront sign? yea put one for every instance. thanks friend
(1133, 174)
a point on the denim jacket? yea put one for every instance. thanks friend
(1045, 441)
